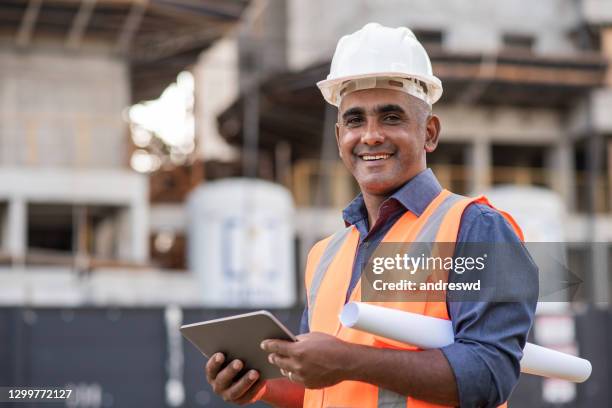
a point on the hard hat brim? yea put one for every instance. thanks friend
(328, 86)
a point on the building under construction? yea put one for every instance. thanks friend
(527, 96)
(68, 72)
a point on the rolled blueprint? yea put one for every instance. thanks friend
(429, 332)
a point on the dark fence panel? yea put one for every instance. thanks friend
(594, 332)
(110, 357)
(118, 357)
(528, 391)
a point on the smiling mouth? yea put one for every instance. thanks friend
(375, 157)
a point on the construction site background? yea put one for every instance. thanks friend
(117, 116)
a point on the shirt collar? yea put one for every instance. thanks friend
(414, 196)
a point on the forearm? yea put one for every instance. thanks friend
(282, 393)
(424, 375)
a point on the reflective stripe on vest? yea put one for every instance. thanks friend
(432, 226)
(390, 399)
(330, 252)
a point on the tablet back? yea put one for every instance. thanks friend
(239, 337)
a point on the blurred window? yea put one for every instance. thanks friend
(448, 162)
(521, 165)
(518, 42)
(429, 38)
(50, 227)
(56, 231)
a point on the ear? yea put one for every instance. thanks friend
(337, 129)
(432, 133)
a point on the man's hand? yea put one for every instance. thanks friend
(224, 382)
(316, 360)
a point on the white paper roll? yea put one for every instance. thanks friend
(429, 332)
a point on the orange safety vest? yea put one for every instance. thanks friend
(328, 273)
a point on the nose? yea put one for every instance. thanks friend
(372, 135)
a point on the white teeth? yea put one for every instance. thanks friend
(376, 157)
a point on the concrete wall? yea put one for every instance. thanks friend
(507, 124)
(216, 87)
(597, 11)
(477, 25)
(49, 286)
(60, 109)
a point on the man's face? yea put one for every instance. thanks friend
(383, 136)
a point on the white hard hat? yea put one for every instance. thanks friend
(378, 56)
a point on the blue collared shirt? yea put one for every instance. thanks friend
(489, 337)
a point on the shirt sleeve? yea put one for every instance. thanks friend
(304, 322)
(490, 335)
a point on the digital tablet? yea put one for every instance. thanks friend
(239, 337)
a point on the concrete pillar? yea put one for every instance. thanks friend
(124, 238)
(601, 282)
(560, 168)
(609, 175)
(479, 159)
(133, 227)
(17, 229)
(606, 50)
(140, 232)
(133, 230)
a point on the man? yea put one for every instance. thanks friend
(382, 83)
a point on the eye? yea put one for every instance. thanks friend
(354, 121)
(392, 118)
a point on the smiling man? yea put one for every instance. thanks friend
(382, 83)
(383, 135)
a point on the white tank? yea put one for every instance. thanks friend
(539, 211)
(241, 243)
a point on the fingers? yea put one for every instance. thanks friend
(213, 366)
(283, 355)
(286, 364)
(292, 376)
(225, 377)
(226, 385)
(250, 396)
(245, 389)
(277, 346)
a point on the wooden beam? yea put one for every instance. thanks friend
(175, 44)
(609, 181)
(606, 51)
(119, 3)
(131, 25)
(196, 16)
(26, 28)
(523, 74)
(79, 24)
